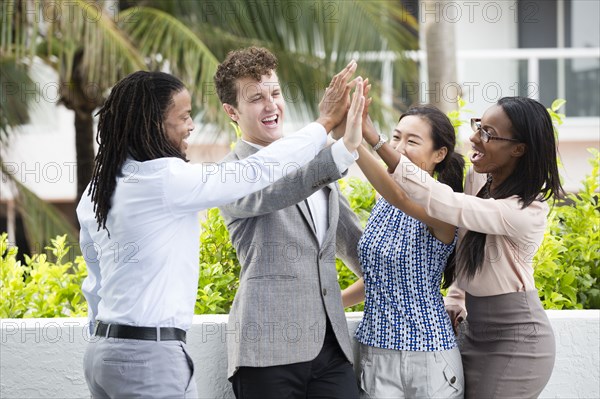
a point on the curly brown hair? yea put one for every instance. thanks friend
(251, 62)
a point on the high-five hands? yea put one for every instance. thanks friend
(353, 135)
(338, 131)
(335, 101)
(368, 129)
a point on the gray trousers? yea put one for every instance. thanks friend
(128, 368)
(386, 374)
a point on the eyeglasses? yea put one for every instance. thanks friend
(484, 134)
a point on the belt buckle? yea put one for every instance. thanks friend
(97, 327)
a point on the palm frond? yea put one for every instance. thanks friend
(58, 31)
(42, 221)
(313, 40)
(108, 55)
(169, 44)
(19, 29)
(14, 104)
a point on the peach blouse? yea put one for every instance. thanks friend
(513, 234)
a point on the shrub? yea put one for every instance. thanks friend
(41, 288)
(361, 196)
(567, 265)
(219, 267)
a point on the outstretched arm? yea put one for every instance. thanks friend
(318, 173)
(190, 188)
(324, 169)
(391, 191)
(484, 215)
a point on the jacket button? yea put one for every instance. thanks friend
(452, 380)
(324, 291)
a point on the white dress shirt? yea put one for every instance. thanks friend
(146, 273)
(318, 202)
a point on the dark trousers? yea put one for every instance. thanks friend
(329, 375)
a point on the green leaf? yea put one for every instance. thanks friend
(556, 104)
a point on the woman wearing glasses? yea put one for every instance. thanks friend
(509, 346)
(407, 344)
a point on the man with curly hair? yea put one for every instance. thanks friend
(287, 335)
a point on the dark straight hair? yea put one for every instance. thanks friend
(131, 125)
(535, 177)
(451, 170)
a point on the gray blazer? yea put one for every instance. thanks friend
(288, 282)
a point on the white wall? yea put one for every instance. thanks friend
(481, 25)
(42, 358)
(41, 154)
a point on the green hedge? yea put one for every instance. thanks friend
(41, 288)
(567, 265)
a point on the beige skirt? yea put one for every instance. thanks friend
(508, 347)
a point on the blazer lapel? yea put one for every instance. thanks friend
(303, 207)
(243, 150)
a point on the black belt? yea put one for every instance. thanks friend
(143, 333)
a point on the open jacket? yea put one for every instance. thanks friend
(288, 282)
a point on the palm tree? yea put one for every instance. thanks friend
(88, 44)
(92, 44)
(83, 43)
(440, 46)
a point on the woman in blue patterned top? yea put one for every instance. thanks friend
(408, 348)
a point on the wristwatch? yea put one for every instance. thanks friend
(380, 143)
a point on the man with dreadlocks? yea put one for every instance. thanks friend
(286, 237)
(139, 227)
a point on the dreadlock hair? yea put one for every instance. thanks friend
(251, 62)
(535, 177)
(450, 170)
(131, 125)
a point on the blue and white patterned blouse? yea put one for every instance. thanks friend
(403, 266)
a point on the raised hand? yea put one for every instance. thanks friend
(353, 134)
(335, 102)
(340, 129)
(368, 129)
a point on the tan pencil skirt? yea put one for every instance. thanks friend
(508, 347)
